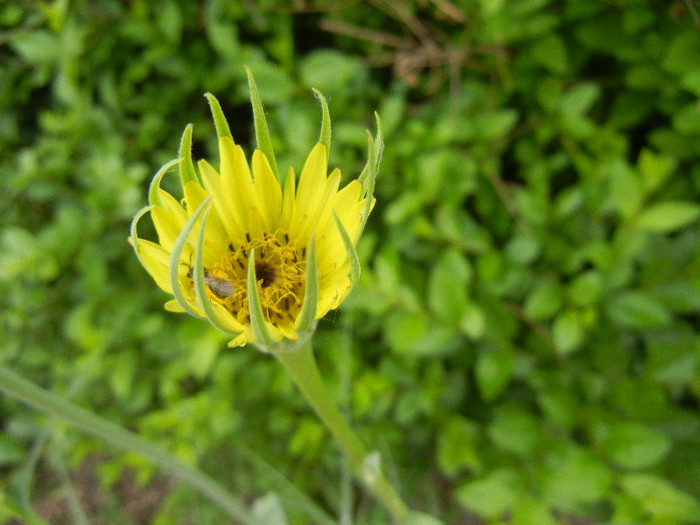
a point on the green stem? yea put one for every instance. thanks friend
(50, 403)
(301, 365)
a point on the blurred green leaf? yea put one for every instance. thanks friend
(448, 286)
(38, 46)
(577, 477)
(567, 332)
(660, 498)
(515, 430)
(655, 169)
(637, 310)
(634, 446)
(494, 370)
(330, 71)
(543, 301)
(492, 495)
(668, 216)
(458, 446)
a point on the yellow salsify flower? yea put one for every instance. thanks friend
(258, 257)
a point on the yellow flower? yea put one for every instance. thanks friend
(260, 258)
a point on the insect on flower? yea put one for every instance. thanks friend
(219, 286)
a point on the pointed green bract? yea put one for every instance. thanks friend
(153, 197)
(133, 230)
(307, 316)
(257, 319)
(177, 253)
(325, 137)
(262, 133)
(375, 149)
(354, 260)
(187, 172)
(198, 278)
(220, 122)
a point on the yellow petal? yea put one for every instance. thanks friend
(312, 179)
(288, 203)
(155, 259)
(237, 186)
(308, 217)
(268, 191)
(174, 306)
(216, 237)
(212, 183)
(168, 220)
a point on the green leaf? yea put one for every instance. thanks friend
(458, 446)
(516, 431)
(655, 169)
(493, 371)
(635, 309)
(330, 71)
(635, 446)
(550, 53)
(586, 288)
(414, 334)
(493, 495)
(661, 499)
(543, 301)
(668, 216)
(577, 477)
(495, 125)
(567, 332)
(37, 46)
(448, 286)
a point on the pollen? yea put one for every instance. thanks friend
(280, 271)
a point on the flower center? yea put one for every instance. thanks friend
(280, 266)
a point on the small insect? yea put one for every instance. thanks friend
(220, 287)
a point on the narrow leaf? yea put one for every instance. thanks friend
(262, 133)
(153, 196)
(198, 277)
(325, 137)
(187, 172)
(176, 254)
(222, 129)
(257, 319)
(307, 316)
(350, 249)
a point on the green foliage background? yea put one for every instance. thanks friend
(523, 347)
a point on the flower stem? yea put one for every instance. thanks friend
(55, 405)
(301, 365)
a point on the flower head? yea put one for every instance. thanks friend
(260, 257)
